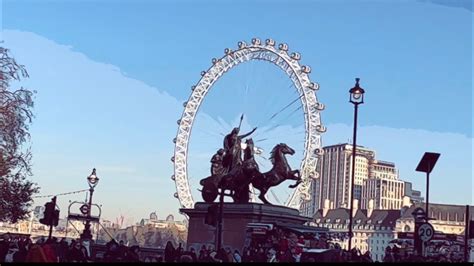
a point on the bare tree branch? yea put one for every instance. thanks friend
(15, 159)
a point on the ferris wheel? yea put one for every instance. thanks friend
(298, 74)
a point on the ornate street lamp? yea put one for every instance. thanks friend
(93, 180)
(356, 97)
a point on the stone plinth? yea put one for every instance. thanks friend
(234, 222)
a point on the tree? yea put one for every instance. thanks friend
(16, 115)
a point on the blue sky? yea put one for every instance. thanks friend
(111, 77)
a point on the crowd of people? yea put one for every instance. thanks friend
(284, 246)
(277, 246)
(436, 253)
(23, 249)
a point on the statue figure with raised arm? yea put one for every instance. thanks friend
(232, 147)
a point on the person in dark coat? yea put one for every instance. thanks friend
(133, 255)
(112, 254)
(76, 254)
(222, 255)
(169, 252)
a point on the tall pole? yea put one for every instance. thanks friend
(427, 196)
(86, 234)
(466, 234)
(88, 224)
(219, 220)
(354, 143)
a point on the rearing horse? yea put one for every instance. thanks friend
(280, 172)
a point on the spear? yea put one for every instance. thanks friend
(241, 118)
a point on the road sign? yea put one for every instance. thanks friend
(84, 209)
(425, 232)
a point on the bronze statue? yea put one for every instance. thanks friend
(216, 163)
(230, 172)
(280, 172)
(233, 150)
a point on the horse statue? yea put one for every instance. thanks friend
(280, 172)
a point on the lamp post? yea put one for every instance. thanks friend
(93, 180)
(356, 97)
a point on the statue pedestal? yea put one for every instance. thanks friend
(234, 222)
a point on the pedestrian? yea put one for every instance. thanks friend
(76, 254)
(170, 252)
(133, 255)
(221, 255)
(230, 255)
(203, 254)
(237, 257)
(112, 252)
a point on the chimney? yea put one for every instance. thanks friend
(356, 206)
(325, 207)
(370, 208)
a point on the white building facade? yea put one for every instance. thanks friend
(373, 229)
(334, 182)
(383, 186)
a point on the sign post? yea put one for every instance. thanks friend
(426, 165)
(425, 233)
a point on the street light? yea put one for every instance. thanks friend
(93, 180)
(356, 97)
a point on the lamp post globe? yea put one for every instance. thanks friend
(93, 179)
(356, 94)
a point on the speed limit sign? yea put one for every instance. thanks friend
(425, 232)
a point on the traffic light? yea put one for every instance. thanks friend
(51, 215)
(211, 215)
(48, 213)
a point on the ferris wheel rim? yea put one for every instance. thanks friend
(306, 88)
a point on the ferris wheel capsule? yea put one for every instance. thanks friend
(314, 175)
(296, 56)
(176, 195)
(185, 103)
(174, 140)
(214, 60)
(256, 41)
(173, 178)
(172, 159)
(320, 106)
(242, 44)
(319, 152)
(270, 42)
(193, 87)
(283, 46)
(178, 121)
(314, 86)
(306, 69)
(321, 129)
(227, 51)
(203, 73)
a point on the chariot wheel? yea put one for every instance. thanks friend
(209, 192)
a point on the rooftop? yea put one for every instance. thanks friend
(341, 215)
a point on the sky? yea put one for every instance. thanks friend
(111, 78)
